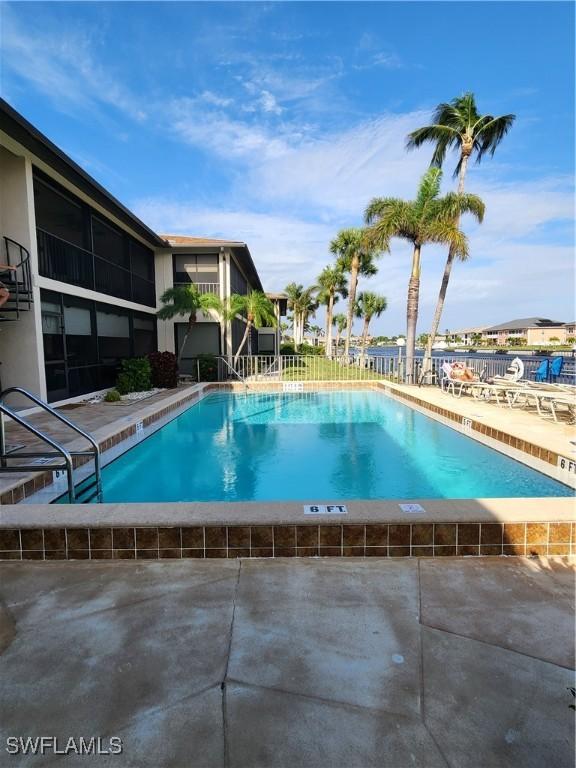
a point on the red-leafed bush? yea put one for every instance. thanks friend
(164, 369)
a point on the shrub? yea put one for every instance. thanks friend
(164, 366)
(112, 397)
(134, 376)
(287, 349)
(308, 349)
(208, 367)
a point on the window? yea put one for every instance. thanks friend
(204, 339)
(144, 330)
(141, 261)
(52, 325)
(80, 342)
(266, 343)
(79, 247)
(58, 214)
(196, 268)
(84, 342)
(238, 283)
(109, 243)
(113, 335)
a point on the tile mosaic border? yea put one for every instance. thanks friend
(309, 540)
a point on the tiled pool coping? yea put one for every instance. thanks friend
(471, 527)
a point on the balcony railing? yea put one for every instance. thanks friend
(69, 263)
(203, 287)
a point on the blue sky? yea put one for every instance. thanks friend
(275, 123)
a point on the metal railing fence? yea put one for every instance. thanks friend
(285, 368)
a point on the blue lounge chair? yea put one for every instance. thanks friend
(556, 367)
(541, 373)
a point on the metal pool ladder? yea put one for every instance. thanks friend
(8, 453)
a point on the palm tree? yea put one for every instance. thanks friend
(302, 303)
(257, 310)
(187, 300)
(428, 219)
(340, 321)
(331, 285)
(458, 126)
(356, 256)
(294, 293)
(369, 305)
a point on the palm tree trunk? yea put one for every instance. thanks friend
(427, 362)
(355, 267)
(328, 342)
(365, 335)
(191, 321)
(243, 342)
(412, 314)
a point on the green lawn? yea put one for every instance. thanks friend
(316, 368)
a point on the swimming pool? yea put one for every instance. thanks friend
(314, 447)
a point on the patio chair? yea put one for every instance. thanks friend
(541, 373)
(555, 367)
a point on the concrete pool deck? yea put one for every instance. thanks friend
(342, 663)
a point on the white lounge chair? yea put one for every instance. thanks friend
(452, 384)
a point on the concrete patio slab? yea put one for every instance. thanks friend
(341, 631)
(517, 605)
(292, 663)
(494, 708)
(272, 729)
(115, 646)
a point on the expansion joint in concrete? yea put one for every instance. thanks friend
(223, 683)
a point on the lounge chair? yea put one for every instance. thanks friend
(452, 383)
(514, 372)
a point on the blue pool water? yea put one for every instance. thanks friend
(317, 446)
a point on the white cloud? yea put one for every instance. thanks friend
(209, 97)
(216, 131)
(269, 103)
(62, 66)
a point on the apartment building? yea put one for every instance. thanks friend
(85, 275)
(537, 331)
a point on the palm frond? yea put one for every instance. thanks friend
(446, 232)
(491, 133)
(454, 205)
(429, 188)
(443, 137)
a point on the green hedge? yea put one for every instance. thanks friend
(135, 376)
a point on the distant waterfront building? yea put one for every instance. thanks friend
(466, 336)
(535, 331)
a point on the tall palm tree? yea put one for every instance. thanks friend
(369, 305)
(294, 292)
(356, 256)
(187, 300)
(427, 219)
(257, 310)
(331, 285)
(303, 303)
(459, 126)
(340, 321)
